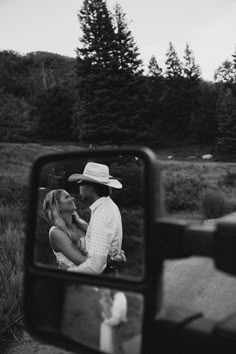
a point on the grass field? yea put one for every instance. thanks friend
(186, 185)
(15, 164)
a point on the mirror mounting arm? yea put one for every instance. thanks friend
(182, 330)
(176, 239)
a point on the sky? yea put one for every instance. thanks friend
(208, 26)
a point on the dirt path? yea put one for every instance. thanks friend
(196, 284)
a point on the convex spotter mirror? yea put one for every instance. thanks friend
(107, 320)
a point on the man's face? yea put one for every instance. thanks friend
(86, 193)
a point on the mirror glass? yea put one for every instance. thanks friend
(104, 319)
(90, 216)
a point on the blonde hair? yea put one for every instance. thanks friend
(51, 207)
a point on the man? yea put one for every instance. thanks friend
(104, 234)
(114, 313)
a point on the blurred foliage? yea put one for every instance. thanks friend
(183, 193)
(216, 204)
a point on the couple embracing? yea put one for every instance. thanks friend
(95, 247)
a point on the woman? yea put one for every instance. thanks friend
(67, 233)
(114, 313)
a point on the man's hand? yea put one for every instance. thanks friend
(118, 261)
(119, 257)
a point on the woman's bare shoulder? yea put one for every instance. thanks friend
(57, 234)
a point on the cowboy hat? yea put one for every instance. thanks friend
(96, 173)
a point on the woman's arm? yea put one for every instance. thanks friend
(64, 244)
(81, 224)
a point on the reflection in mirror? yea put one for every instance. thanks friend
(90, 216)
(104, 319)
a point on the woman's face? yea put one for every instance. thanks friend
(67, 202)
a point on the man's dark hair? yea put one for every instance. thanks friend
(101, 190)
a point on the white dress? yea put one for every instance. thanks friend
(110, 339)
(62, 260)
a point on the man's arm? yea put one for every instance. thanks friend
(118, 310)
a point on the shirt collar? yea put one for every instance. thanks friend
(96, 204)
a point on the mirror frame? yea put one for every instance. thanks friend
(151, 284)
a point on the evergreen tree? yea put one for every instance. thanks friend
(129, 84)
(17, 119)
(55, 109)
(226, 72)
(98, 33)
(127, 52)
(203, 122)
(226, 117)
(172, 124)
(110, 87)
(190, 69)
(173, 64)
(154, 70)
(234, 63)
(155, 83)
(95, 59)
(191, 94)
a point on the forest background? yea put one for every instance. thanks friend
(104, 95)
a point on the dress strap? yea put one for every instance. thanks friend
(49, 236)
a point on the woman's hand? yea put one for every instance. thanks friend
(82, 224)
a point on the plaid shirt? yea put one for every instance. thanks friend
(103, 237)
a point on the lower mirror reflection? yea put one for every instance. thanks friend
(108, 320)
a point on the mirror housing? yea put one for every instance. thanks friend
(43, 282)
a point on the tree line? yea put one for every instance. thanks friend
(104, 96)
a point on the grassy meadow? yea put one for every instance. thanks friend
(193, 190)
(15, 164)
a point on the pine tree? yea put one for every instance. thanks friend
(191, 92)
(190, 69)
(173, 125)
(98, 33)
(127, 52)
(110, 84)
(226, 72)
(226, 115)
(95, 60)
(129, 84)
(55, 109)
(173, 64)
(203, 122)
(154, 70)
(155, 83)
(234, 64)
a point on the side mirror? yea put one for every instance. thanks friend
(93, 285)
